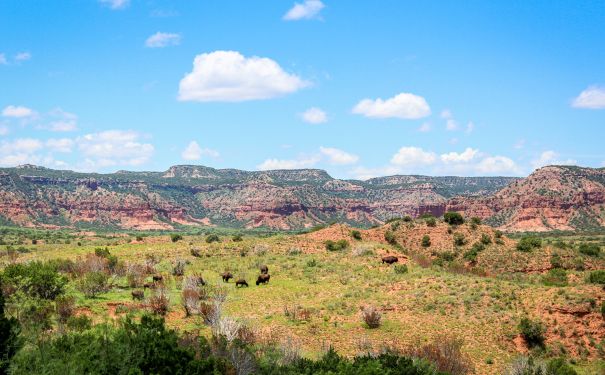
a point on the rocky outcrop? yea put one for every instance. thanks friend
(551, 198)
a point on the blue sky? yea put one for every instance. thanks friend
(360, 89)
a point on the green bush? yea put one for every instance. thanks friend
(431, 222)
(212, 238)
(532, 331)
(453, 218)
(401, 268)
(486, 239)
(471, 255)
(356, 235)
(528, 243)
(10, 342)
(597, 277)
(555, 277)
(498, 234)
(175, 237)
(556, 261)
(459, 239)
(336, 245)
(590, 249)
(426, 241)
(35, 279)
(559, 366)
(102, 252)
(237, 238)
(389, 236)
(93, 284)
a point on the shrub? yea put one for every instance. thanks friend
(371, 316)
(426, 241)
(10, 341)
(64, 307)
(471, 255)
(445, 353)
(453, 218)
(102, 252)
(336, 245)
(237, 238)
(559, 366)
(400, 268)
(389, 236)
(555, 277)
(597, 277)
(590, 249)
(356, 235)
(195, 252)
(212, 238)
(528, 243)
(362, 250)
(179, 267)
(498, 234)
(190, 299)
(486, 239)
(159, 302)
(532, 331)
(135, 275)
(431, 222)
(603, 309)
(35, 279)
(175, 237)
(475, 220)
(93, 284)
(139, 238)
(407, 219)
(459, 239)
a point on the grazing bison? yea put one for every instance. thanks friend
(263, 278)
(157, 278)
(264, 269)
(200, 281)
(390, 259)
(226, 276)
(241, 282)
(149, 286)
(138, 294)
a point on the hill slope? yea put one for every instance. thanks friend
(196, 195)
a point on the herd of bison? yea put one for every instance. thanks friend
(263, 278)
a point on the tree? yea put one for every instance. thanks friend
(426, 241)
(212, 238)
(532, 331)
(10, 341)
(356, 234)
(175, 237)
(35, 279)
(453, 218)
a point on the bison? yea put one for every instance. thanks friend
(263, 278)
(138, 294)
(264, 269)
(157, 278)
(200, 281)
(148, 286)
(390, 259)
(226, 276)
(240, 283)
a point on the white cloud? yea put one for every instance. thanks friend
(426, 127)
(193, 151)
(20, 151)
(160, 40)
(114, 147)
(64, 145)
(17, 112)
(412, 157)
(64, 121)
(363, 173)
(591, 98)
(300, 163)
(310, 9)
(450, 123)
(3, 60)
(228, 76)
(404, 106)
(115, 4)
(464, 157)
(551, 158)
(315, 115)
(497, 165)
(338, 157)
(23, 56)
(470, 127)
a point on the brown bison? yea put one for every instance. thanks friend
(157, 278)
(390, 259)
(138, 294)
(149, 286)
(240, 283)
(200, 281)
(226, 276)
(264, 269)
(263, 278)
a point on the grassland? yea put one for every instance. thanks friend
(315, 296)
